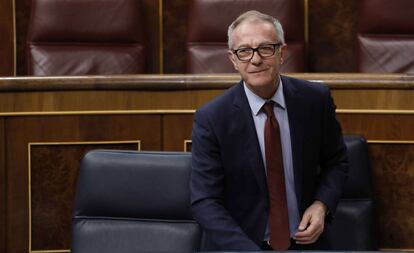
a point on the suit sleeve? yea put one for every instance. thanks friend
(333, 157)
(207, 190)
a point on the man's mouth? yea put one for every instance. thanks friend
(257, 71)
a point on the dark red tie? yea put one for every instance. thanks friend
(278, 211)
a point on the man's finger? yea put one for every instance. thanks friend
(310, 230)
(304, 222)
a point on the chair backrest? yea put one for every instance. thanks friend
(208, 21)
(129, 201)
(386, 36)
(353, 227)
(81, 37)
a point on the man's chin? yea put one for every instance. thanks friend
(259, 78)
(262, 82)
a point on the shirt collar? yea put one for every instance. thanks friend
(256, 102)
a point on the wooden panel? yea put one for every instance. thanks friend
(390, 127)
(53, 173)
(7, 38)
(22, 21)
(3, 192)
(393, 170)
(379, 99)
(23, 130)
(176, 130)
(152, 25)
(175, 32)
(106, 100)
(332, 35)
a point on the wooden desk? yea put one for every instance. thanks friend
(47, 123)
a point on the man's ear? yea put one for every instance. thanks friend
(233, 59)
(282, 49)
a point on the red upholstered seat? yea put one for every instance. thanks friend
(79, 37)
(208, 21)
(386, 36)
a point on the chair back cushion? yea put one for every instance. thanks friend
(128, 201)
(86, 37)
(207, 32)
(386, 36)
(353, 227)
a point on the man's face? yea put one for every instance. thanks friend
(260, 73)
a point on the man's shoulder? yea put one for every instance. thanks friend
(304, 86)
(223, 101)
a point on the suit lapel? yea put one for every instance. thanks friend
(296, 113)
(248, 131)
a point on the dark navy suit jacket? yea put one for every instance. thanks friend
(228, 186)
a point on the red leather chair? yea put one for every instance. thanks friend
(208, 21)
(79, 37)
(386, 36)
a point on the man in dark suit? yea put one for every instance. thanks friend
(229, 188)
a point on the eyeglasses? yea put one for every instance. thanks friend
(246, 53)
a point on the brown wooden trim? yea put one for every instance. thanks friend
(373, 111)
(164, 112)
(51, 251)
(14, 40)
(306, 20)
(399, 142)
(161, 36)
(396, 250)
(194, 82)
(7, 31)
(3, 187)
(104, 112)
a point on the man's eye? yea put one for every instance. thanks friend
(244, 50)
(266, 48)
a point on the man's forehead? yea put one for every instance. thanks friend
(248, 30)
(255, 25)
(254, 21)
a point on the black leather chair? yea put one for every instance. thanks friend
(353, 227)
(129, 201)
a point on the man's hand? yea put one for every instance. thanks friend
(312, 224)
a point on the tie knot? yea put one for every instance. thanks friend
(268, 108)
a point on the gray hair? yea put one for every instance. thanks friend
(254, 16)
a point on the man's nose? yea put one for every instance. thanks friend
(256, 58)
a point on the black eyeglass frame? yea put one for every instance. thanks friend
(256, 49)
